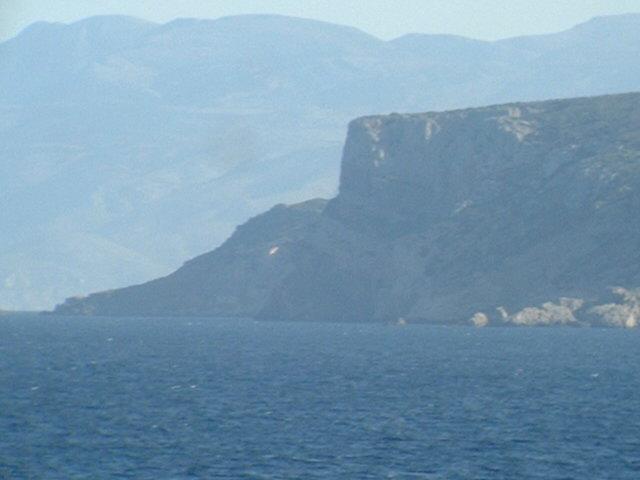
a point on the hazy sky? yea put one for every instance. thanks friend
(486, 19)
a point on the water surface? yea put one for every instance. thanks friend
(195, 398)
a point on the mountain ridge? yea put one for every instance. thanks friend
(617, 19)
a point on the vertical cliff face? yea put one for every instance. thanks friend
(412, 171)
(443, 214)
(407, 172)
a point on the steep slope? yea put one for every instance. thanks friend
(439, 215)
(128, 146)
(234, 280)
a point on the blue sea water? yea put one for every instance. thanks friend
(94, 398)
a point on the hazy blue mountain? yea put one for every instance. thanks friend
(129, 146)
(528, 208)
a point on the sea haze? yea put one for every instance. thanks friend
(198, 398)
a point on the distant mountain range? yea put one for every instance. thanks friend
(524, 213)
(128, 147)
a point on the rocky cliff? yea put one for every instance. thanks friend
(439, 216)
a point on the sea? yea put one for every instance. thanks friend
(198, 398)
